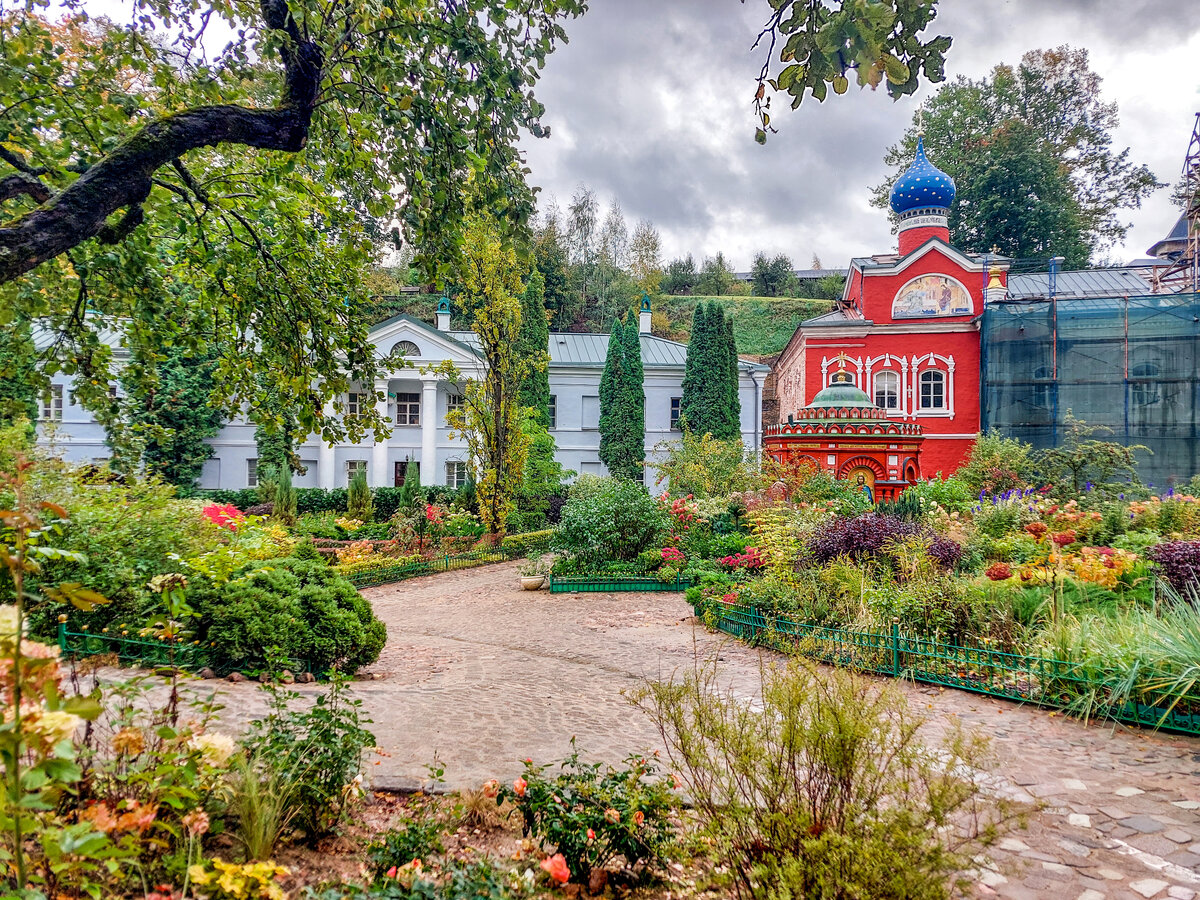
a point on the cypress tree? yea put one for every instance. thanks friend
(733, 403)
(716, 367)
(612, 389)
(635, 400)
(691, 404)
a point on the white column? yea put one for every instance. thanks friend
(379, 451)
(429, 425)
(326, 477)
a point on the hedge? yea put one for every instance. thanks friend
(515, 545)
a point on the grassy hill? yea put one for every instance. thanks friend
(761, 325)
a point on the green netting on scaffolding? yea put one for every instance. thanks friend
(1129, 364)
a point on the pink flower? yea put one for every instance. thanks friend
(391, 873)
(519, 787)
(223, 515)
(556, 868)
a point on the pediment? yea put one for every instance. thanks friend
(425, 344)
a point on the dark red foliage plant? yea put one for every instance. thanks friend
(1179, 562)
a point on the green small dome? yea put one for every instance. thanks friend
(842, 391)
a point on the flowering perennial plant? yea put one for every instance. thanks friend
(591, 815)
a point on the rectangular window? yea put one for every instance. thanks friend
(355, 401)
(401, 472)
(887, 390)
(933, 390)
(353, 467)
(453, 402)
(591, 413)
(408, 409)
(456, 473)
(52, 406)
(675, 401)
(252, 473)
(554, 410)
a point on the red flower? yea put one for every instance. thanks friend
(591, 835)
(999, 571)
(556, 868)
(1062, 538)
(1037, 529)
(223, 515)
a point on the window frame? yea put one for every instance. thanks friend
(1145, 387)
(930, 378)
(673, 414)
(408, 401)
(552, 409)
(454, 469)
(454, 401)
(252, 472)
(354, 402)
(400, 347)
(894, 376)
(353, 465)
(52, 405)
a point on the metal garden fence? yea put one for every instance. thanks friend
(1013, 676)
(561, 584)
(445, 563)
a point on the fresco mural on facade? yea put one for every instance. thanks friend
(931, 295)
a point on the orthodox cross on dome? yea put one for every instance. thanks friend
(921, 120)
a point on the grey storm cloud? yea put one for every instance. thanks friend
(650, 103)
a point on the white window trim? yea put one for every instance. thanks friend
(947, 370)
(357, 463)
(453, 464)
(889, 362)
(354, 402)
(54, 404)
(899, 389)
(408, 405)
(252, 472)
(552, 409)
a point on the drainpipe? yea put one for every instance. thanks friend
(758, 422)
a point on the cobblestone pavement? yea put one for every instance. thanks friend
(484, 675)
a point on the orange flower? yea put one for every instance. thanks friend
(556, 868)
(519, 787)
(491, 788)
(612, 815)
(639, 818)
(591, 835)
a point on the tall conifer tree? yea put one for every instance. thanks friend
(635, 399)
(612, 388)
(691, 404)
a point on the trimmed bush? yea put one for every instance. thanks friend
(522, 544)
(300, 608)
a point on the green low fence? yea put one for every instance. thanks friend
(536, 542)
(562, 584)
(142, 651)
(1029, 679)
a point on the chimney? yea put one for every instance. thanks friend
(443, 315)
(644, 314)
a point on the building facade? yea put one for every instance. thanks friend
(906, 330)
(417, 405)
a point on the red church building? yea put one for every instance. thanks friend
(907, 331)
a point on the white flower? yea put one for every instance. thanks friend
(56, 725)
(214, 749)
(8, 622)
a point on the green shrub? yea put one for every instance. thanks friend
(996, 464)
(617, 521)
(952, 494)
(319, 748)
(592, 814)
(285, 497)
(418, 838)
(300, 608)
(515, 545)
(359, 504)
(874, 814)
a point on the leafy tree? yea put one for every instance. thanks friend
(681, 276)
(250, 184)
(645, 259)
(830, 287)
(490, 418)
(819, 44)
(1081, 458)
(771, 277)
(1046, 120)
(550, 257)
(167, 415)
(704, 467)
(532, 341)
(716, 276)
(19, 378)
(542, 477)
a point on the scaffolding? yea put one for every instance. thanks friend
(1183, 274)
(1128, 364)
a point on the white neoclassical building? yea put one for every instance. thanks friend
(417, 404)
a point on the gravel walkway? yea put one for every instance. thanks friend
(483, 675)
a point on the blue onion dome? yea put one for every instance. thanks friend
(923, 186)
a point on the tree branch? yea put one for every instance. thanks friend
(19, 184)
(124, 177)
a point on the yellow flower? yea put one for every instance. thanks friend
(56, 725)
(129, 742)
(215, 749)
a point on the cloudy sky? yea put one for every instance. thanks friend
(649, 104)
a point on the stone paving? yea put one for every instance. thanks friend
(484, 675)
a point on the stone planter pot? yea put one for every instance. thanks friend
(532, 582)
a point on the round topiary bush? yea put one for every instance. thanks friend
(613, 519)
(299, 608)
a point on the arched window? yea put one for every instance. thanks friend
(1144, 389)
(887, 390)
(933, 389)
(407, 348)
